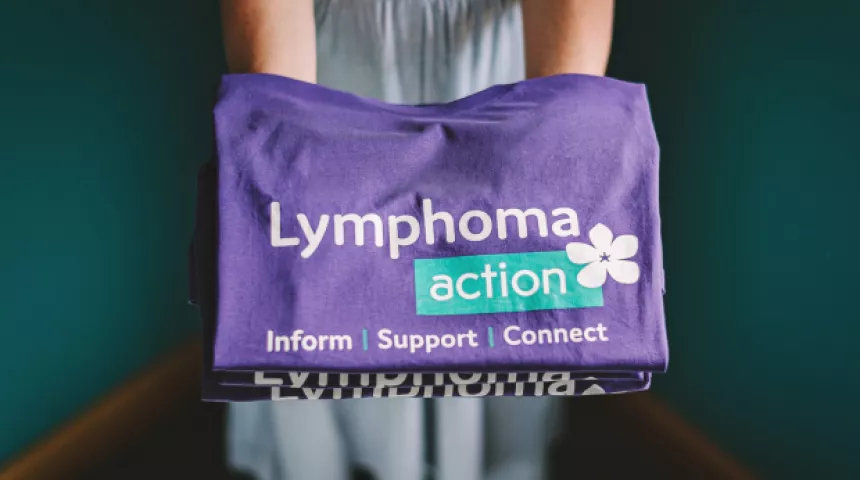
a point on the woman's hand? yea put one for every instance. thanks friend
(567, 36)
(271, 36)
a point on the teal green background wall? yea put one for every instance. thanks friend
(103, 123)
(104, 120)
(757, 108)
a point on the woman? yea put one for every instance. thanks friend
(406, 51)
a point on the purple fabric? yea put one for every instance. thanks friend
(567, 389)
(216, 389)
(354, 380)
(577, 142)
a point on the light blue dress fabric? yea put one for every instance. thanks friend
(403, 51)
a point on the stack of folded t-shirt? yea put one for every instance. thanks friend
(507, 243)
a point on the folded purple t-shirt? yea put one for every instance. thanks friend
(355, 380)
(569, 388)
(310, 386)
(513, 230)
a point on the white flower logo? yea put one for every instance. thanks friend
(606, 255)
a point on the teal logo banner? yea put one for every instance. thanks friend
(517, 282)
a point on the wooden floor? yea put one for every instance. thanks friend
(596, 445)
(155, 427)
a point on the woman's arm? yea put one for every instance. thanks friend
(567, 36)
(270, 36)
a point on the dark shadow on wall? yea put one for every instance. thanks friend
(755, 107)
(112, 118)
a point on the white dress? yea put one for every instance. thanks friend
(403, 51)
